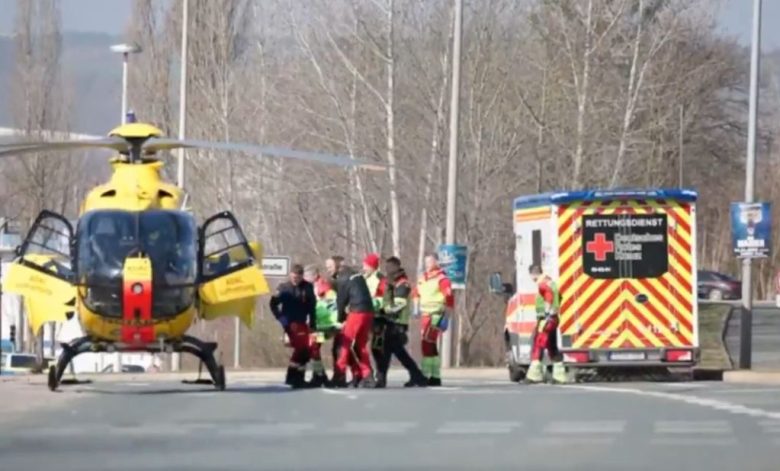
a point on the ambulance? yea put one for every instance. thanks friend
(624, 262)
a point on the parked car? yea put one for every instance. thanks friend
(718, 286)
(125, 369)
(18, 362)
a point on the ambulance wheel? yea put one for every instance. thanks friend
(52, 378)
(516, 373)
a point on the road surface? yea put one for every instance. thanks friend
(480, 423)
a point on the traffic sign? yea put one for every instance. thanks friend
(276, 266)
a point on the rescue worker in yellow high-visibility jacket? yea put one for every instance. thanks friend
(327, 328)
(545, 335)
(433, 299)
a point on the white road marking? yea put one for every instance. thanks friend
(337, 392)
(770, 426)
(267, 429)
(743, 391)
(566, 442)
(53, 431)
(477, 427)
(138, 385)
(681, 385)
(688, 427)
(150, 430)
(693, 441)
(376, 427)
(694, 400)
(585, 427)
(477, 391)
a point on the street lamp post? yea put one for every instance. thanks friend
(746, 318)
(182, 94)
(452, 175)
(175, 357)
(124, 49)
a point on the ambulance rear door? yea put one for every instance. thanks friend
(640, 252)
(534, 245)
(592, 298)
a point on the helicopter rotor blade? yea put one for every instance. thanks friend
(156, 144)
(17, 148)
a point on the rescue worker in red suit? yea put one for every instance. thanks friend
(293, 305)
(356, 312)
(341, 271)
(546, 333)
(433, 299)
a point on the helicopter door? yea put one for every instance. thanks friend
(43, 271)
(229, 269)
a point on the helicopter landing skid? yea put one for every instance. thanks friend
(203, 350)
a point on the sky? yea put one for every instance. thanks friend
(110, 16)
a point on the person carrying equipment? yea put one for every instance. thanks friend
(545, 334)
(356, 310)
(376, 282)
(433, 299)
(327, 328)
(396, 310)
(297, 301)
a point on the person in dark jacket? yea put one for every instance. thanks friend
(293, 304)
(396, 306)
(356, 311)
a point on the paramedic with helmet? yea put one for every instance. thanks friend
(545, 335)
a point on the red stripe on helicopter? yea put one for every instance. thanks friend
(137, 306)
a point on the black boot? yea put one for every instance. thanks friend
(381, 381)
(418, 382)
(319, 380)
(290, 378)
(338, 381)
(368, 382)
(434, 382)
(298, 379)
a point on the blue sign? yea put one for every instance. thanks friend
(751, 229)
(453, 259)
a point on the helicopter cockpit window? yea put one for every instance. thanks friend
(168, 238)
(50, 238)
(223, 247)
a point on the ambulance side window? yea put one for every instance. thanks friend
(536, 244)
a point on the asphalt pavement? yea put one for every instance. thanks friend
(470, 423)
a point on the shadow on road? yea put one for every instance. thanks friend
(130, 391)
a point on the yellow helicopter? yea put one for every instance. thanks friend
(137, 270)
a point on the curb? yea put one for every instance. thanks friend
(754, 377)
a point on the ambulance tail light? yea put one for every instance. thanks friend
(679, 355)
(576, 357)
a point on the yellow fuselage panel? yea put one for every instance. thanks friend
(136, 130)
(134, 187)
(110, 329)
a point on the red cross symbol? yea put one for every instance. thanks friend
(600, 247)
